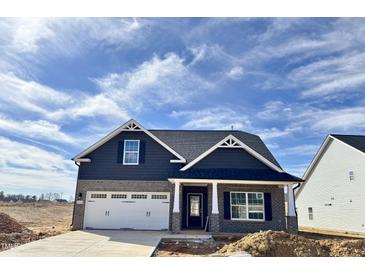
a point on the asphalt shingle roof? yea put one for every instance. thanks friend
(236, 174)
(356, 141)
(191, 143)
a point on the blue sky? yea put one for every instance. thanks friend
(65, 83)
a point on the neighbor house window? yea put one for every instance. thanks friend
(310, 213)
(131, 152)
(247, 206)
(351, 176)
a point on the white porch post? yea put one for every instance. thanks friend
(215, 198)
(176, 208)
(291, 202)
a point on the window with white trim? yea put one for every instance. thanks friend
(247, 206)
(131, 152)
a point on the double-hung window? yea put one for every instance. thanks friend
(247, 206)
(131, 152)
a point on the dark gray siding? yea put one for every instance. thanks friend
(104, 165)
(230, 158)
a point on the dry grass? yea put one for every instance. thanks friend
(331, 232)
(41, 217)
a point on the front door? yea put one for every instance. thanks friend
(195, 210)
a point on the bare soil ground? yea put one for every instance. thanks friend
(268, 244)
(23, 223)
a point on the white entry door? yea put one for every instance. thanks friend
(127, 210)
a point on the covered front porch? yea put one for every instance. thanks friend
(236, 206)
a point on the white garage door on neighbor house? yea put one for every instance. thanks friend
(127, 210)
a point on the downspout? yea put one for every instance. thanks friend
(77, 182)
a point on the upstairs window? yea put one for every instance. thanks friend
(310, 213)
(351, 176)
(131, 152)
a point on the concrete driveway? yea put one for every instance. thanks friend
(89, 243)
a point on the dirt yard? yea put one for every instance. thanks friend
(266, 244)
(22, 223)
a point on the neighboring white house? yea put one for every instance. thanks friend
(332, 196)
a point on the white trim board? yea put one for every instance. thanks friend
(131, 125)
(220, 181)
(232, 142)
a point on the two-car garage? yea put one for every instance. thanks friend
(127, 210)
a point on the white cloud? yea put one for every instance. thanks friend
(300, 150)
(40, 130)
(274, 110)
(221, 118)
(271, 133)
(331, 75)
(91, 106)
(26, 166)
(235, 73)
(343, 119)
(67, 35)
(297, 170)
(29, 95)
(28, 33)
(154, 83)
(314, 119)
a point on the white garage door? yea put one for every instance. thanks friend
(131, 210)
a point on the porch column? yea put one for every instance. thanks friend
(176, 208)
(214, 216)
(176, 216)
(215, 209)
(291, 202)
(291, 219)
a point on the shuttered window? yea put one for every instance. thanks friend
(247, 206)
(131, 152)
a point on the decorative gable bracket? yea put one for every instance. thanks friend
(131, 126)
(230, 143)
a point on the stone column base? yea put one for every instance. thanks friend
(292, 224)
(214, 223)
(176, 222)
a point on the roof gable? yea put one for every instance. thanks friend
(131, 125)
(355, 141)
(192, 143)
(232, 142)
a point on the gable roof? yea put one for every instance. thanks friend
(192, 143)
(356, 141)
(188, 145)
(131, 125)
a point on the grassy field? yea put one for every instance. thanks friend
(41, 217)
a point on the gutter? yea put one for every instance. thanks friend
(73, 211)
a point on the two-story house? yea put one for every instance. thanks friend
(332, 196)
(221, 181)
